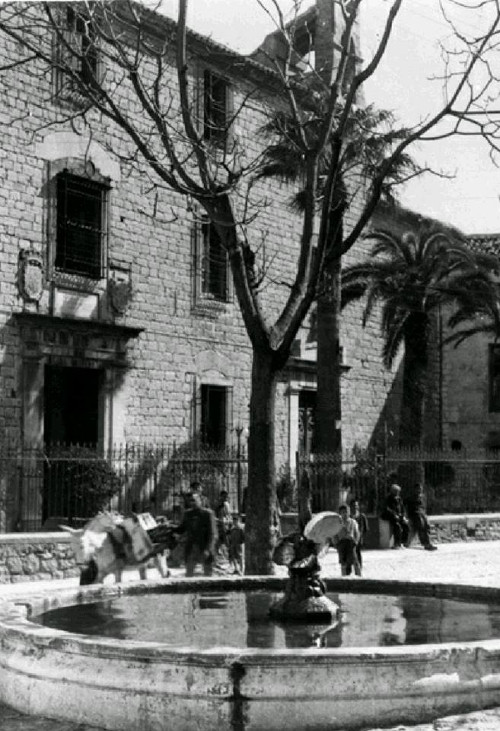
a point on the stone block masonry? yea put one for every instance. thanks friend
(36, 557)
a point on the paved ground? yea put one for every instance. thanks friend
(465, 563)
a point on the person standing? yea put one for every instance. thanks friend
(394, 513)
(223, 517)
(236, 540)
(346, 541)
(197, 488)
(198, 525)
(362, 522)
(415, 507)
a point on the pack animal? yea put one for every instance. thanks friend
(110, 543)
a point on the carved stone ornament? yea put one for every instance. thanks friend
(120, 294)
(31, 275)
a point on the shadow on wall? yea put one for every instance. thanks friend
(386, 431)
(158, 477)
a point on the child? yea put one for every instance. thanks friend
(223, 517)
(362, 522)
(235, 542)
(346, 541)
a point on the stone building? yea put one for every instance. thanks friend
(469, 383)
(118, 320)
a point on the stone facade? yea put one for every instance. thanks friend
(142, 326)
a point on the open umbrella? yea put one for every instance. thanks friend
(322, 528)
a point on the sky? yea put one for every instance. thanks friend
(470, 199)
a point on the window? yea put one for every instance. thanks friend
(215, 108)
(494, 378)
(80, 225)
(76, 49)
(214, 416)
(214, 264)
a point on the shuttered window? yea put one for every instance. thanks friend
(80, 235)
(214, 264)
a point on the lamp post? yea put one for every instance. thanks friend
(240, 430)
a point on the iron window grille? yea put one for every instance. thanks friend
(214, 264)
(80, 225)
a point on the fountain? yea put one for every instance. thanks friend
(139, 684)
(305, 593)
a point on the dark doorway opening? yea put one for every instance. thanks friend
(213, 416)
(71, 405)
(71, 436)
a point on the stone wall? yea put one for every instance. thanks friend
(472, 527)
(45, 556)
(153, 394)
(36, 557)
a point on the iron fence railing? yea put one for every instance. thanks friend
(360, 472)
(42, 488)
(454, 481)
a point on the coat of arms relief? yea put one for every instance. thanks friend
(32, 274)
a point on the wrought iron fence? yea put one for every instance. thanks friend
(454, 481)
(42, 488)
(359, 471)
(69, 484)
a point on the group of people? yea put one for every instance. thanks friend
(209, 533)
(406, 517)
(206, 532)
(402, 517)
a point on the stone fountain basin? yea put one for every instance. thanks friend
(148, 686)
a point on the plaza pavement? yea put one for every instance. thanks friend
(464, 563)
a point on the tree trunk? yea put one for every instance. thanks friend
(414, 382)
(411, 430)
(328, 431)
(260, 504)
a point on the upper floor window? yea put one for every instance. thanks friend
(76, 50)
(216, 113)
(494, 378)
(80, 235)
(214, 264)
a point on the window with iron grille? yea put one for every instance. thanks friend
(76, 50)
(214, 416)
(80, 234)
(214, 264)
(494, 378)
(215, 108)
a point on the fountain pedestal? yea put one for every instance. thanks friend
(305, 593)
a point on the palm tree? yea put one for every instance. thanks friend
(370, 136)
(410, 275)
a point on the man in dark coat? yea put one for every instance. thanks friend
(199, 526)
(394, 513)
(418, 518)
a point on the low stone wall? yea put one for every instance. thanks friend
(444, 529)
(42, 556)
(470, 527)
(36, 556)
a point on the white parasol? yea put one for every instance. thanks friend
(322, 528)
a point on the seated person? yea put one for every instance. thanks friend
(418, 518)
(394, 513)
(346, 542)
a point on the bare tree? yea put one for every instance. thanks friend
(117, 58)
